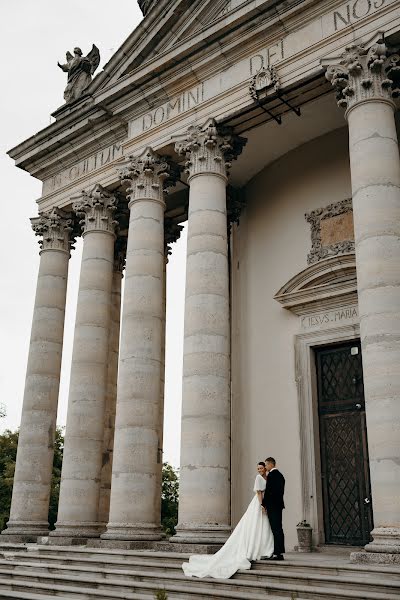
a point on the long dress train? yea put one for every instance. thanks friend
(251, 539)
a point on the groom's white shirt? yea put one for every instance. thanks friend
(273, 469)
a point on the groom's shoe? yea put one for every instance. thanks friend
(278, 557)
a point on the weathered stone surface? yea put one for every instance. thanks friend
(33, 472)
(364, 81)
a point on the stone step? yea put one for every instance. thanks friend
(167, 561)
(129, 582)
(141, 573)
(40, 591)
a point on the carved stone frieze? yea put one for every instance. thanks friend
(320, 251)
(148, 176)
(365, 73)
(56, 229)
(96, 210)
(209, 149)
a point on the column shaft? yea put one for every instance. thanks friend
(33, 471)
(375, 176)
(204, 508)
(82, 461)
(111, 400)
(136, 481)
(204, 495)
(365, 80)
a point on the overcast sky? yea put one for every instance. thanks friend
(35, 34)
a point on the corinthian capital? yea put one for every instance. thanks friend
(55, 228)
(209, 149)
(148, 176)
(365, 74)
(96, 210)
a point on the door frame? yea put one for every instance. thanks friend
(307, 393)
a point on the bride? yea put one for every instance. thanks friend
(250, 540)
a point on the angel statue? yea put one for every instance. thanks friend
(80, 70)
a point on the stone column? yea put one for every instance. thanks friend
(33, 471)
(135, 489)
(366, 80)
(112, 374)
(82, 461)
(204, 504)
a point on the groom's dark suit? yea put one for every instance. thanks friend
(273, 503)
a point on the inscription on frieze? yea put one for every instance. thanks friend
(329, 318)
(326, 25)
(273, 53)
(83, 167)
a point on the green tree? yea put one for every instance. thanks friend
(8, 455)
(169, 499)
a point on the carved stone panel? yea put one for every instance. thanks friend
(332, 230)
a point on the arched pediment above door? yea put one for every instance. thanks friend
(328, 284)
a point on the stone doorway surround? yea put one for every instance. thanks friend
(324, 296)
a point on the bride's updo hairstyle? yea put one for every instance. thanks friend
(262, 463)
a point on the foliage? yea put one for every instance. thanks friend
(169, 499)
(161, 595)
(8, 454)
(56, 476)
(3, 410)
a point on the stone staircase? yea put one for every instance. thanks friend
(34, 572)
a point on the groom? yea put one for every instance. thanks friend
(273, 504)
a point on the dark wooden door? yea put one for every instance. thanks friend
(344, 450)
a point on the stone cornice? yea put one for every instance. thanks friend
(113, 97)
(95, 105)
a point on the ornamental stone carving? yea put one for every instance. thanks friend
(319, 249)
(148, 176)
(267, 78)
(209, 149)
(172, 233)
(364, 74)
(120, 254)
(56, 229)
(96, 210)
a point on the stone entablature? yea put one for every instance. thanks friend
(320, 30)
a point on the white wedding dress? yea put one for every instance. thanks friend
(251, 539)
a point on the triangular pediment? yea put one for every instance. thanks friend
(170, 26)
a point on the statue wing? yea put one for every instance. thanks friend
(94, 58)
(69, 56)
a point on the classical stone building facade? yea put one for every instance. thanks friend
(271, 127)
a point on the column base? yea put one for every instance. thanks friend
(201, 535)
(133, 533)
(25, 531)
(375, 558)
(74, 533)
(386, 540)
